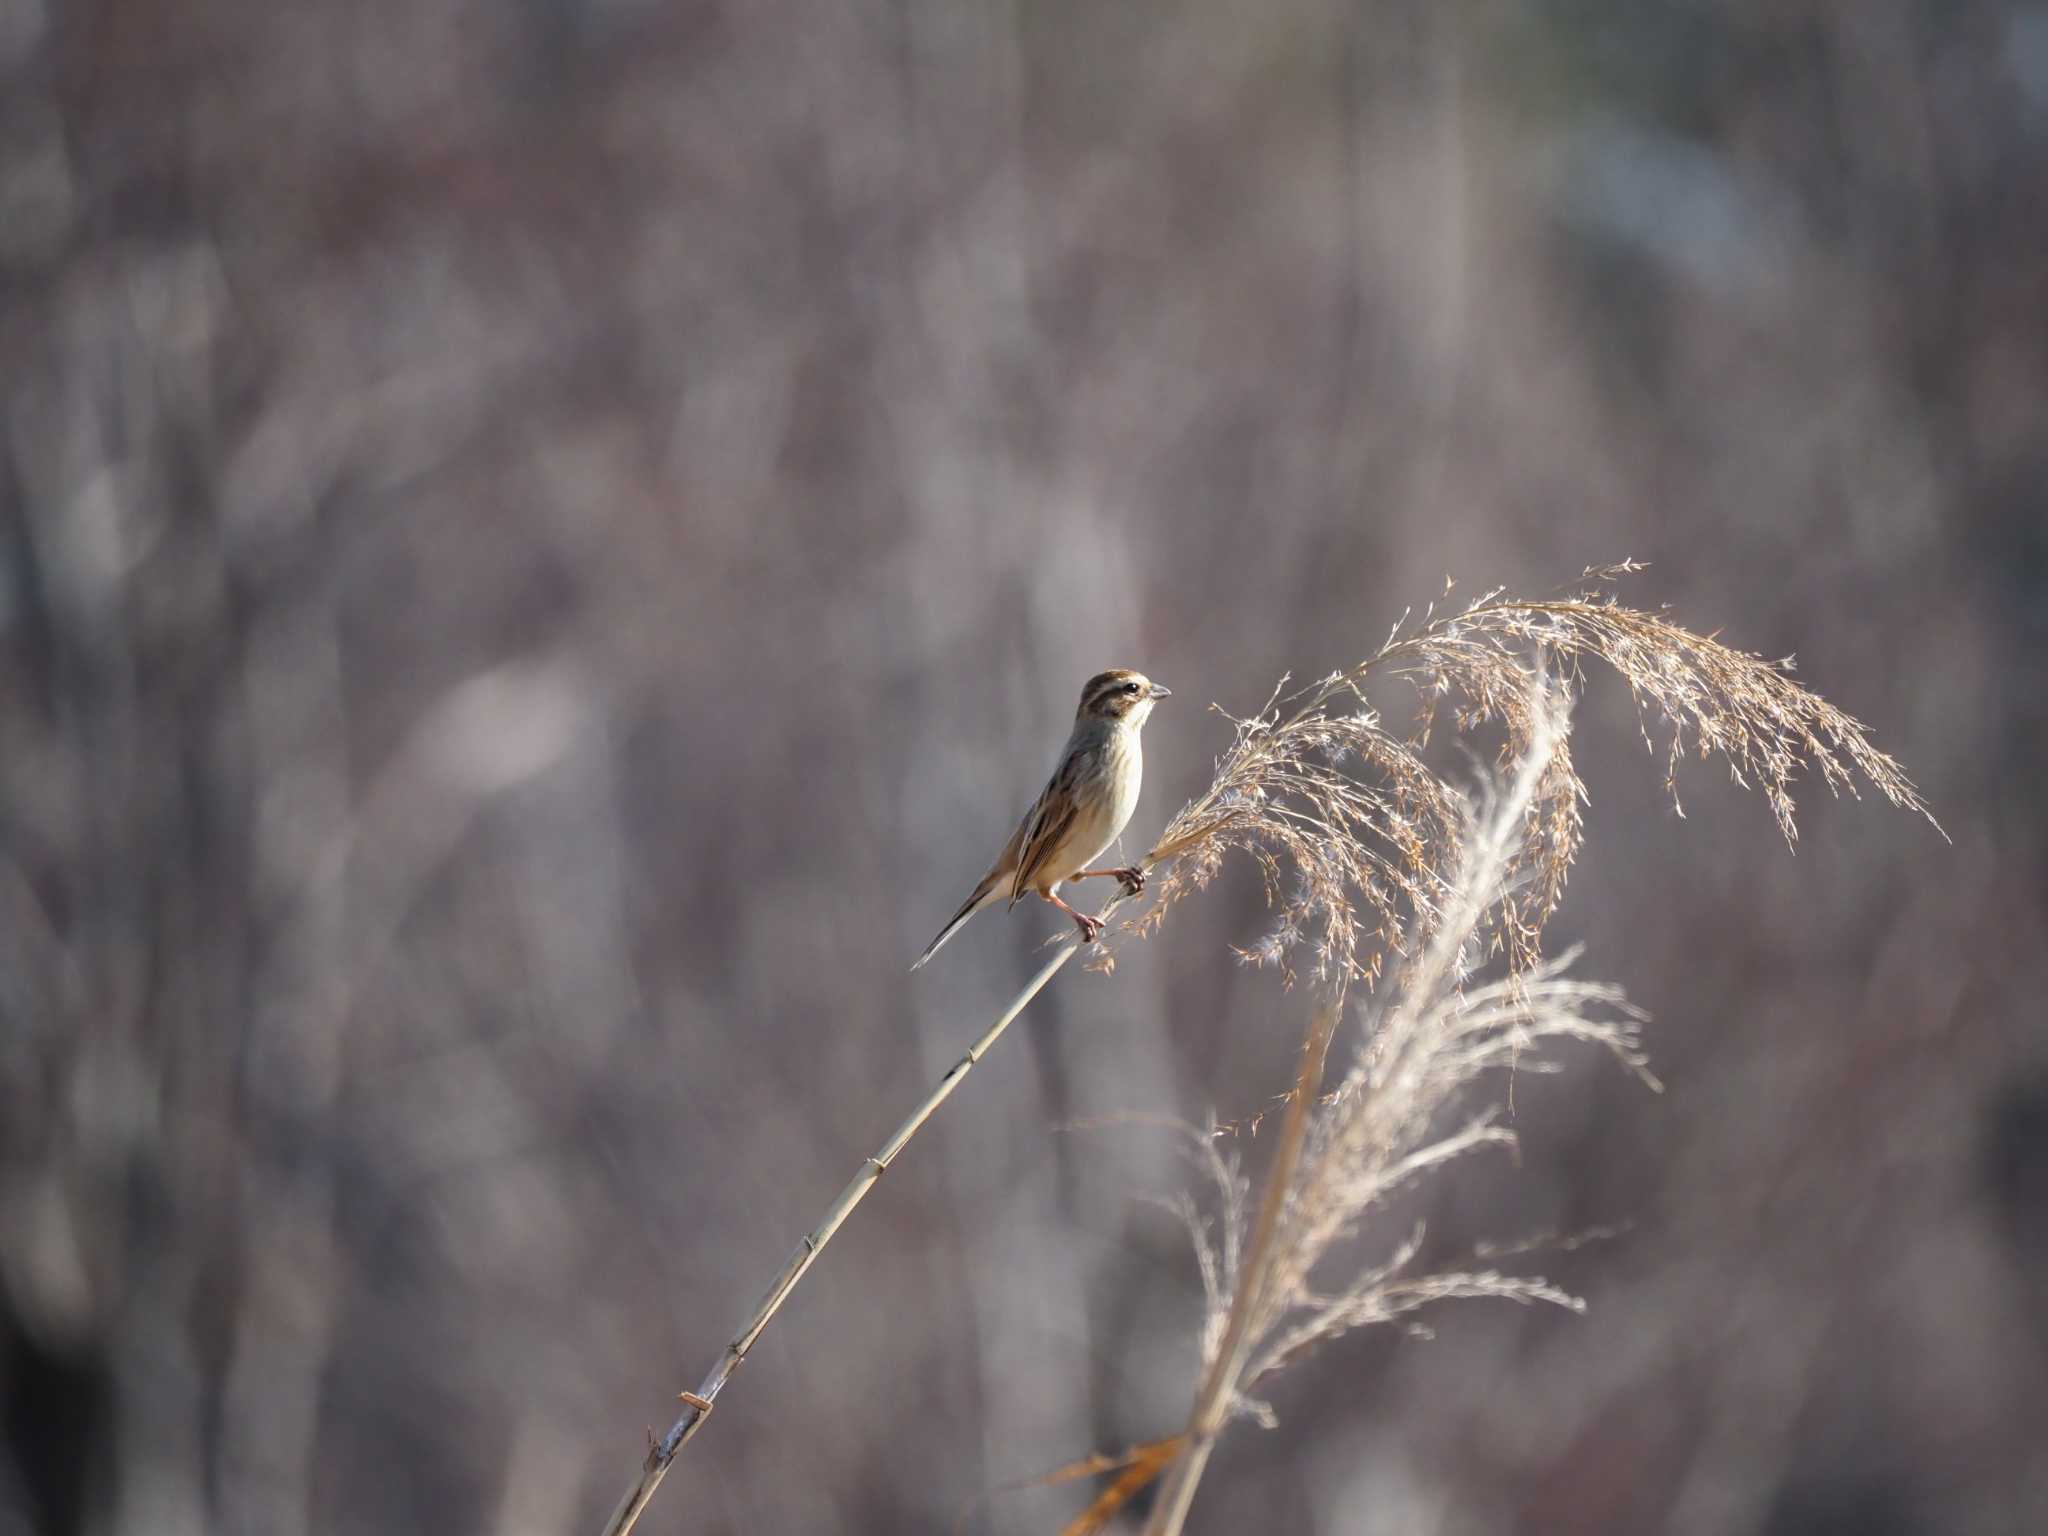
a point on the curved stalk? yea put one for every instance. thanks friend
(1222, 1381)
(697, 1405)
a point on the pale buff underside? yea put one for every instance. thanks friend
(1104, 801)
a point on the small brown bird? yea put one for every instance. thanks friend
(1081, 812)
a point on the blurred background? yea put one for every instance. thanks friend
(543, 546)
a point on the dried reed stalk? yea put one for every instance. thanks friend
(1219, 1391)
(1369, 855)
(1339, 1159)
(697, 1405)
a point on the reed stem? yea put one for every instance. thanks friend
(697, 1405)
(1220, 1383)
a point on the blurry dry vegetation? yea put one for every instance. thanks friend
(540, 544)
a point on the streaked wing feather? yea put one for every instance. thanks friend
(1048, 822)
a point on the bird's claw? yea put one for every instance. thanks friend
(1131, 879)
(1091, 927)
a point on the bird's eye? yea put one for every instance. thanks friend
(1130, 687)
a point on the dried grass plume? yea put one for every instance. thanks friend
(1355, 833)
(1372, 859)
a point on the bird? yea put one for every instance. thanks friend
(1081, 810)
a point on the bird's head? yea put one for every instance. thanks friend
(1120, 695)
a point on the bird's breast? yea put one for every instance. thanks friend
(1104, 813)
(1126, 771)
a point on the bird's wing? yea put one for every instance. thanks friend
(1038, 837)
(1044, 827)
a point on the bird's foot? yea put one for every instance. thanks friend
(1091, 927)
(1132, 879)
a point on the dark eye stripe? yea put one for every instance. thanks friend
(1110, 691)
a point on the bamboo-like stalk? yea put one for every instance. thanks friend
(1219, 1386)
(697, 1405)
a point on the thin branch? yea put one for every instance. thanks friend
(697, 1405)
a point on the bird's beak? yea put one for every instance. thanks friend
(1161, 691)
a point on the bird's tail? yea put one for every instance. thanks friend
(984, 894)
